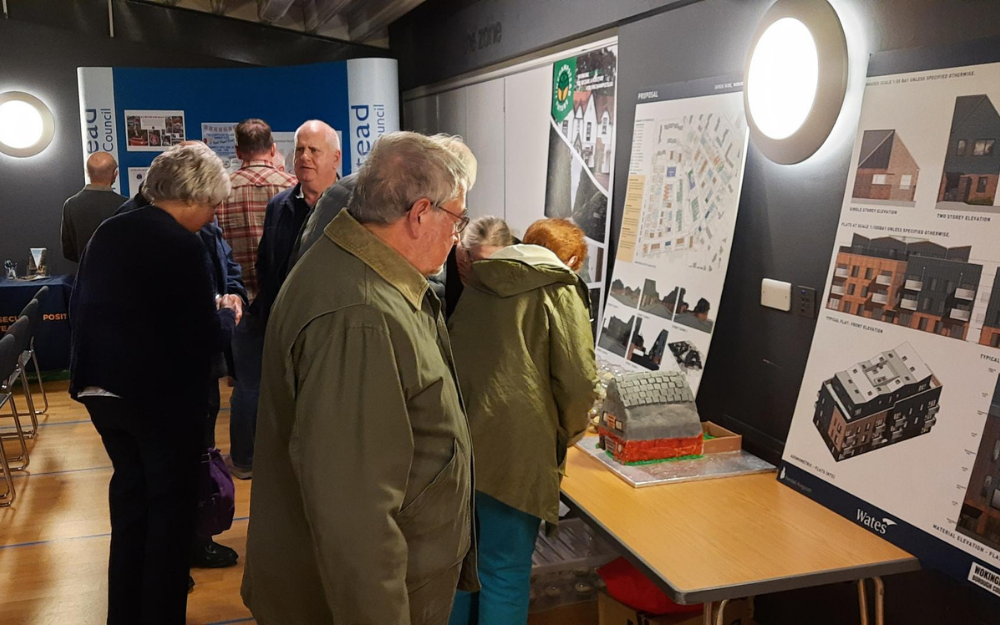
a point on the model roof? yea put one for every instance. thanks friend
(655, 387)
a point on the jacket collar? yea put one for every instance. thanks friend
(97, 187)
(357, 240)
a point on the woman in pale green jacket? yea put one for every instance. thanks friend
(524, 353)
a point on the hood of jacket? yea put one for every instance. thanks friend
(521, 268)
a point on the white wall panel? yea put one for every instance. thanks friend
(526, 139)
(420, 115)
(485, 135)
(452, 116)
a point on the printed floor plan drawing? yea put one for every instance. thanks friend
(692, 186)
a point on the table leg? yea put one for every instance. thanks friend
(707, 614)
(721, 618)
(879, 601)
(863, 601)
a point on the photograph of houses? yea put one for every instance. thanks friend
(907, 282)
(616, 332)
(886, 172)
(625, 294)
(647, 347)
(655, 303)
(972, 163)
(980, 516)
(876, 403)
(692, 311)
(581, 140)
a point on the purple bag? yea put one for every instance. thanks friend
(216, 495)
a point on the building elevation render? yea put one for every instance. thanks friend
(972, 166)
(886, 169)
(891, 398)
(908, 282)
(980, 517)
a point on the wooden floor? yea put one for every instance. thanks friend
(54, 540)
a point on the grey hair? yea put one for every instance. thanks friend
(189, 173)
(401, 168)
(488, 230)
(459, 148)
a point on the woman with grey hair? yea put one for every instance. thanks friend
(146, 323)
(481, 239)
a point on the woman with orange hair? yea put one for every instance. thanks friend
(524, 354)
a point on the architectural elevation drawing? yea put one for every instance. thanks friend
(980, 517)
(876, 403)
(626, 294)
(972, 163)
(616, 333)
(886, 171)
(907, 282)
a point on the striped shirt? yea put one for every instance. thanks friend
(241, 216)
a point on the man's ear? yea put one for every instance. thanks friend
(274, 150)
(571, 262)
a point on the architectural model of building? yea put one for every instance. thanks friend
(980, 517)
(972, 166)
(907, 282)
(886, 170)
(891, 398)
(650, 416)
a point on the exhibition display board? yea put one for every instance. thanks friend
(685, 177)
(897, 425)
(581, 155)
(136, 113)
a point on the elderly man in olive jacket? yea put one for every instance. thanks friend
(362, 509)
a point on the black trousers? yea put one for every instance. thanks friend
(214, 405)
(154, 500)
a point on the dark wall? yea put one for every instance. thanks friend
(41, 47)
(786, 229)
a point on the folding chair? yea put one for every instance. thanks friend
(19, 330)
(8, 366)
(33, 312)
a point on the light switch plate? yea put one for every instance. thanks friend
(776, 294)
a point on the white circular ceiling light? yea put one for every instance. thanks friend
(796, 79)
(26, 124)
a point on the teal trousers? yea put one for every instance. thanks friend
(506, 541)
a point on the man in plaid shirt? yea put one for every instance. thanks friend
(241, 218)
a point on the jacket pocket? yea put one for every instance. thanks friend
(427, 493)
(437, 524)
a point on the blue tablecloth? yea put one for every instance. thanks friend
(52, 340)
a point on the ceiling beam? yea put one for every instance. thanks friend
(273, 10)
(369, 18)
(323, 12)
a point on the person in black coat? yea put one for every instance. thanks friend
(227, 277)
(139, 361)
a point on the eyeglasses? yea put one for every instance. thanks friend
(461, 221)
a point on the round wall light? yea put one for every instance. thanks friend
(26, 124)
(796, 79)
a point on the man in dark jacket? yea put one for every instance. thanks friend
(228, 280)
(85, 211)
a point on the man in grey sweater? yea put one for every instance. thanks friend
(85, 211)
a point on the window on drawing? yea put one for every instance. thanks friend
(878, 179)
(960, 148)
(995, 340)
(981, 185)
(604, 124)
(851, 288)
(565, 127)
(905, 181)
(590, 127)
(854, 271)
(983, 147)
(868, 273)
